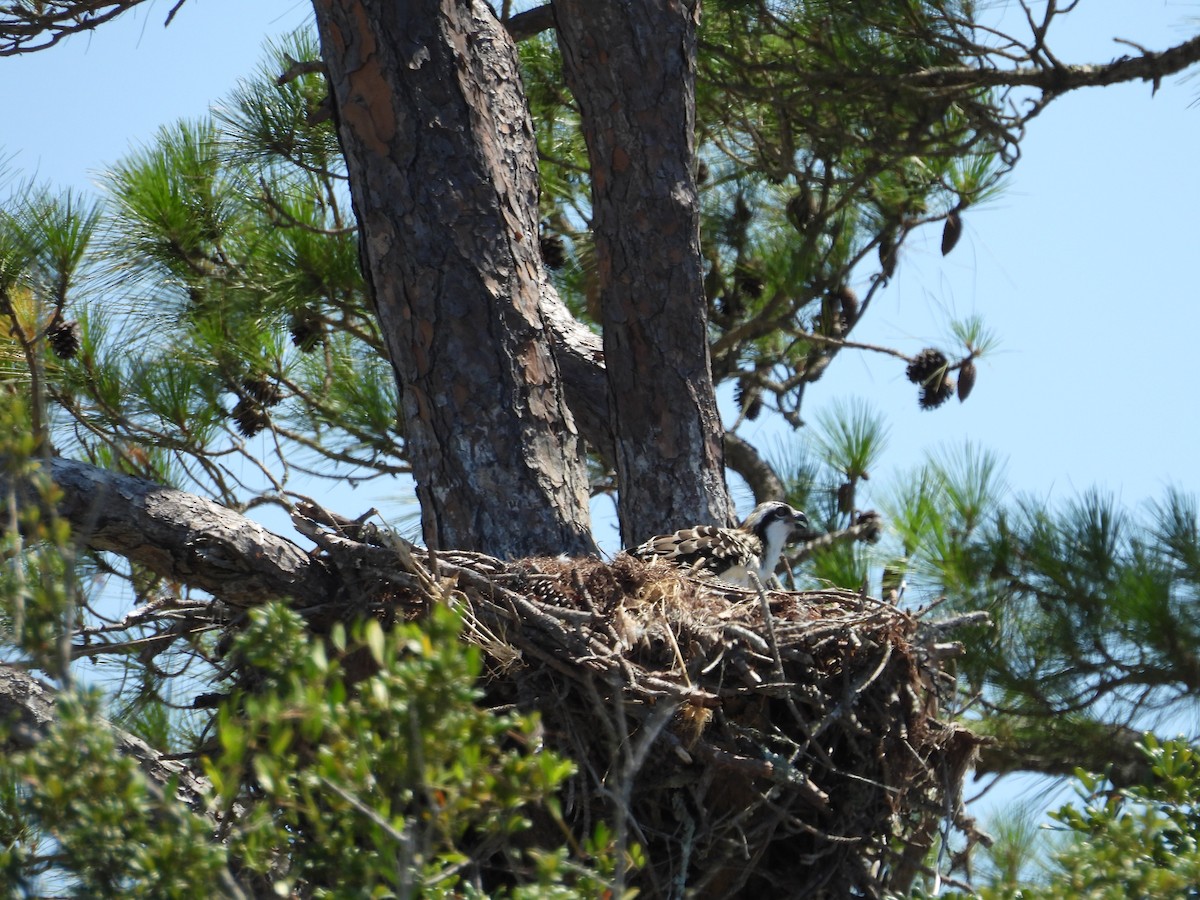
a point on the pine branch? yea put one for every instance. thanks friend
(179, 536)
(579, 352)
(1054, 79)
(27, 707)
(763, 480)
(531, 22)
(1058, 747)
(26, 27)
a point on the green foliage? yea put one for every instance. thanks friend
(1093, 625)
(974, 335)
(811, 160)
(228, 301)
(37, 581)
(399, 781)
(849, 441)
(1016, 855)
(384, 786)
(852, 438)
(85, 812)
(175, 207)
(357, 763)
(842, 566)
(1138, 841)
(217, 294)
(283, 126)
(1087, 601)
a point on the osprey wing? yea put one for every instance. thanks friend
(705, 549)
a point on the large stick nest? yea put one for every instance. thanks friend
(782, 744)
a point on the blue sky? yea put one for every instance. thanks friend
(1085, 266)
(1082, 268)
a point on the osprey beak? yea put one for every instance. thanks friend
(801, 527)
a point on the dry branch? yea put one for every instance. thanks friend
(26, 27)
(178, 535)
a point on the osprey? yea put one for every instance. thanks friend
(731, 554)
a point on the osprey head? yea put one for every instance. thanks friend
(775, 519)
(774, 523)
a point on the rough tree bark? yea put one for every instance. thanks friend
(441, 155)
(631, 67)
(177, 535)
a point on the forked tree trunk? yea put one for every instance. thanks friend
(631, 67)
(439, 145)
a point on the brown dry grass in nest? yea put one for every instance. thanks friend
(782, 744)
(797, 750)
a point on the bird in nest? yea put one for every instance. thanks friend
(732, 554)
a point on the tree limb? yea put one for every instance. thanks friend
(27, 709)
(1151, 66)
(26, 27)
(756, 471)
(1056, 747)
(179, 536)
(579, 352)
(530, 22)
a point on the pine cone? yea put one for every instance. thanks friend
(250, 418)
(742, 213)
(263, 390)
(874, 524)
(887, 255)
(64, 338)
(849, 302)
(925, 365)
(305, 327)
(935, 393)
(554, 252)
(845, 496)
(966, 380)
(951, 232)
(802, 209)
(750, 283)
(748, 398)
(731, 305)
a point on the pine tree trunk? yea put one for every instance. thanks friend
(631, 67)
(437, 137)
